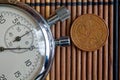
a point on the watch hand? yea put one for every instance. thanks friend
(18, 38)
(30, 48)
(26, 33)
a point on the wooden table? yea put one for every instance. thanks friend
(71, 63)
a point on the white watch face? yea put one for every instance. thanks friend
(22, 45)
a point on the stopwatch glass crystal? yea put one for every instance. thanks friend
(22, 44)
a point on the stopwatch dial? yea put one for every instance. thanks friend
(19, 36)
(22, 44)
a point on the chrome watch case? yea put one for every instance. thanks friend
(50, 41)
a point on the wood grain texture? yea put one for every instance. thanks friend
(105, 63)
(22, 1)
(95, 11)
(37, 7)
(52, 71)
(27, 1)
(63, 50)
(33, 2)
(18, 0)
(47, 9)
(68, 50)
(58, 51)
(100, 52)
(73, 49)
(42, 8)
(63, 56)
(78, 60)
(110, 44)
(83, 56)
(71, 63)
(89, 54)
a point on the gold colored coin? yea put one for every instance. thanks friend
(89, 32)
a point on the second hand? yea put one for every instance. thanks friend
(3, 49)
(18, 38)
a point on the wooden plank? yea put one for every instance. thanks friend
(105, 69)
(71, 63)
(68, 51)
(57, 54)
(37, 7)
(100, 52)
(78, 62)
(33, 2)
(42, 8)
(27, 1)
(89, 54)
(52, 72)
(95, 11)
(83, 56)
(63, 50)
(73, 49)
(110, 42)
(22, 1)
(18, 0)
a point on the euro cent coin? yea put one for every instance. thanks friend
(89, 32)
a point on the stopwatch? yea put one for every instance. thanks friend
(26, 42)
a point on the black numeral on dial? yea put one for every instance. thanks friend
(2, 20)
(17, 74)
(2, 77)
(28, 63)
(16, 21)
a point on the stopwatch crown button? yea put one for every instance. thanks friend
(63, 13)
(60, 14)
(63, 41)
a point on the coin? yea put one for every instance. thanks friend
(89, 32)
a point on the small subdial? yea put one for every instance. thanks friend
(19, 36)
